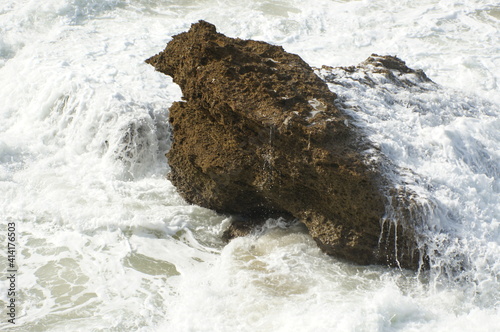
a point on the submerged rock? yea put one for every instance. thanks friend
(257, 135)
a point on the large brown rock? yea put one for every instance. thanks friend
(258, 135)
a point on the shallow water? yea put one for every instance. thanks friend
(106, 244)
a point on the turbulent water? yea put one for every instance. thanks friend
(105, 243)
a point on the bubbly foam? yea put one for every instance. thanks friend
(105, 241)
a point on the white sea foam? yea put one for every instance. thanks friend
(106, 243)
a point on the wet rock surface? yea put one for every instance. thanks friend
(258, 135)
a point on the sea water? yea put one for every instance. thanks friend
(105, 243)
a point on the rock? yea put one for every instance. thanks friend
(391, 68)
(257, 135)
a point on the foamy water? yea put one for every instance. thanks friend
(106, 244)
